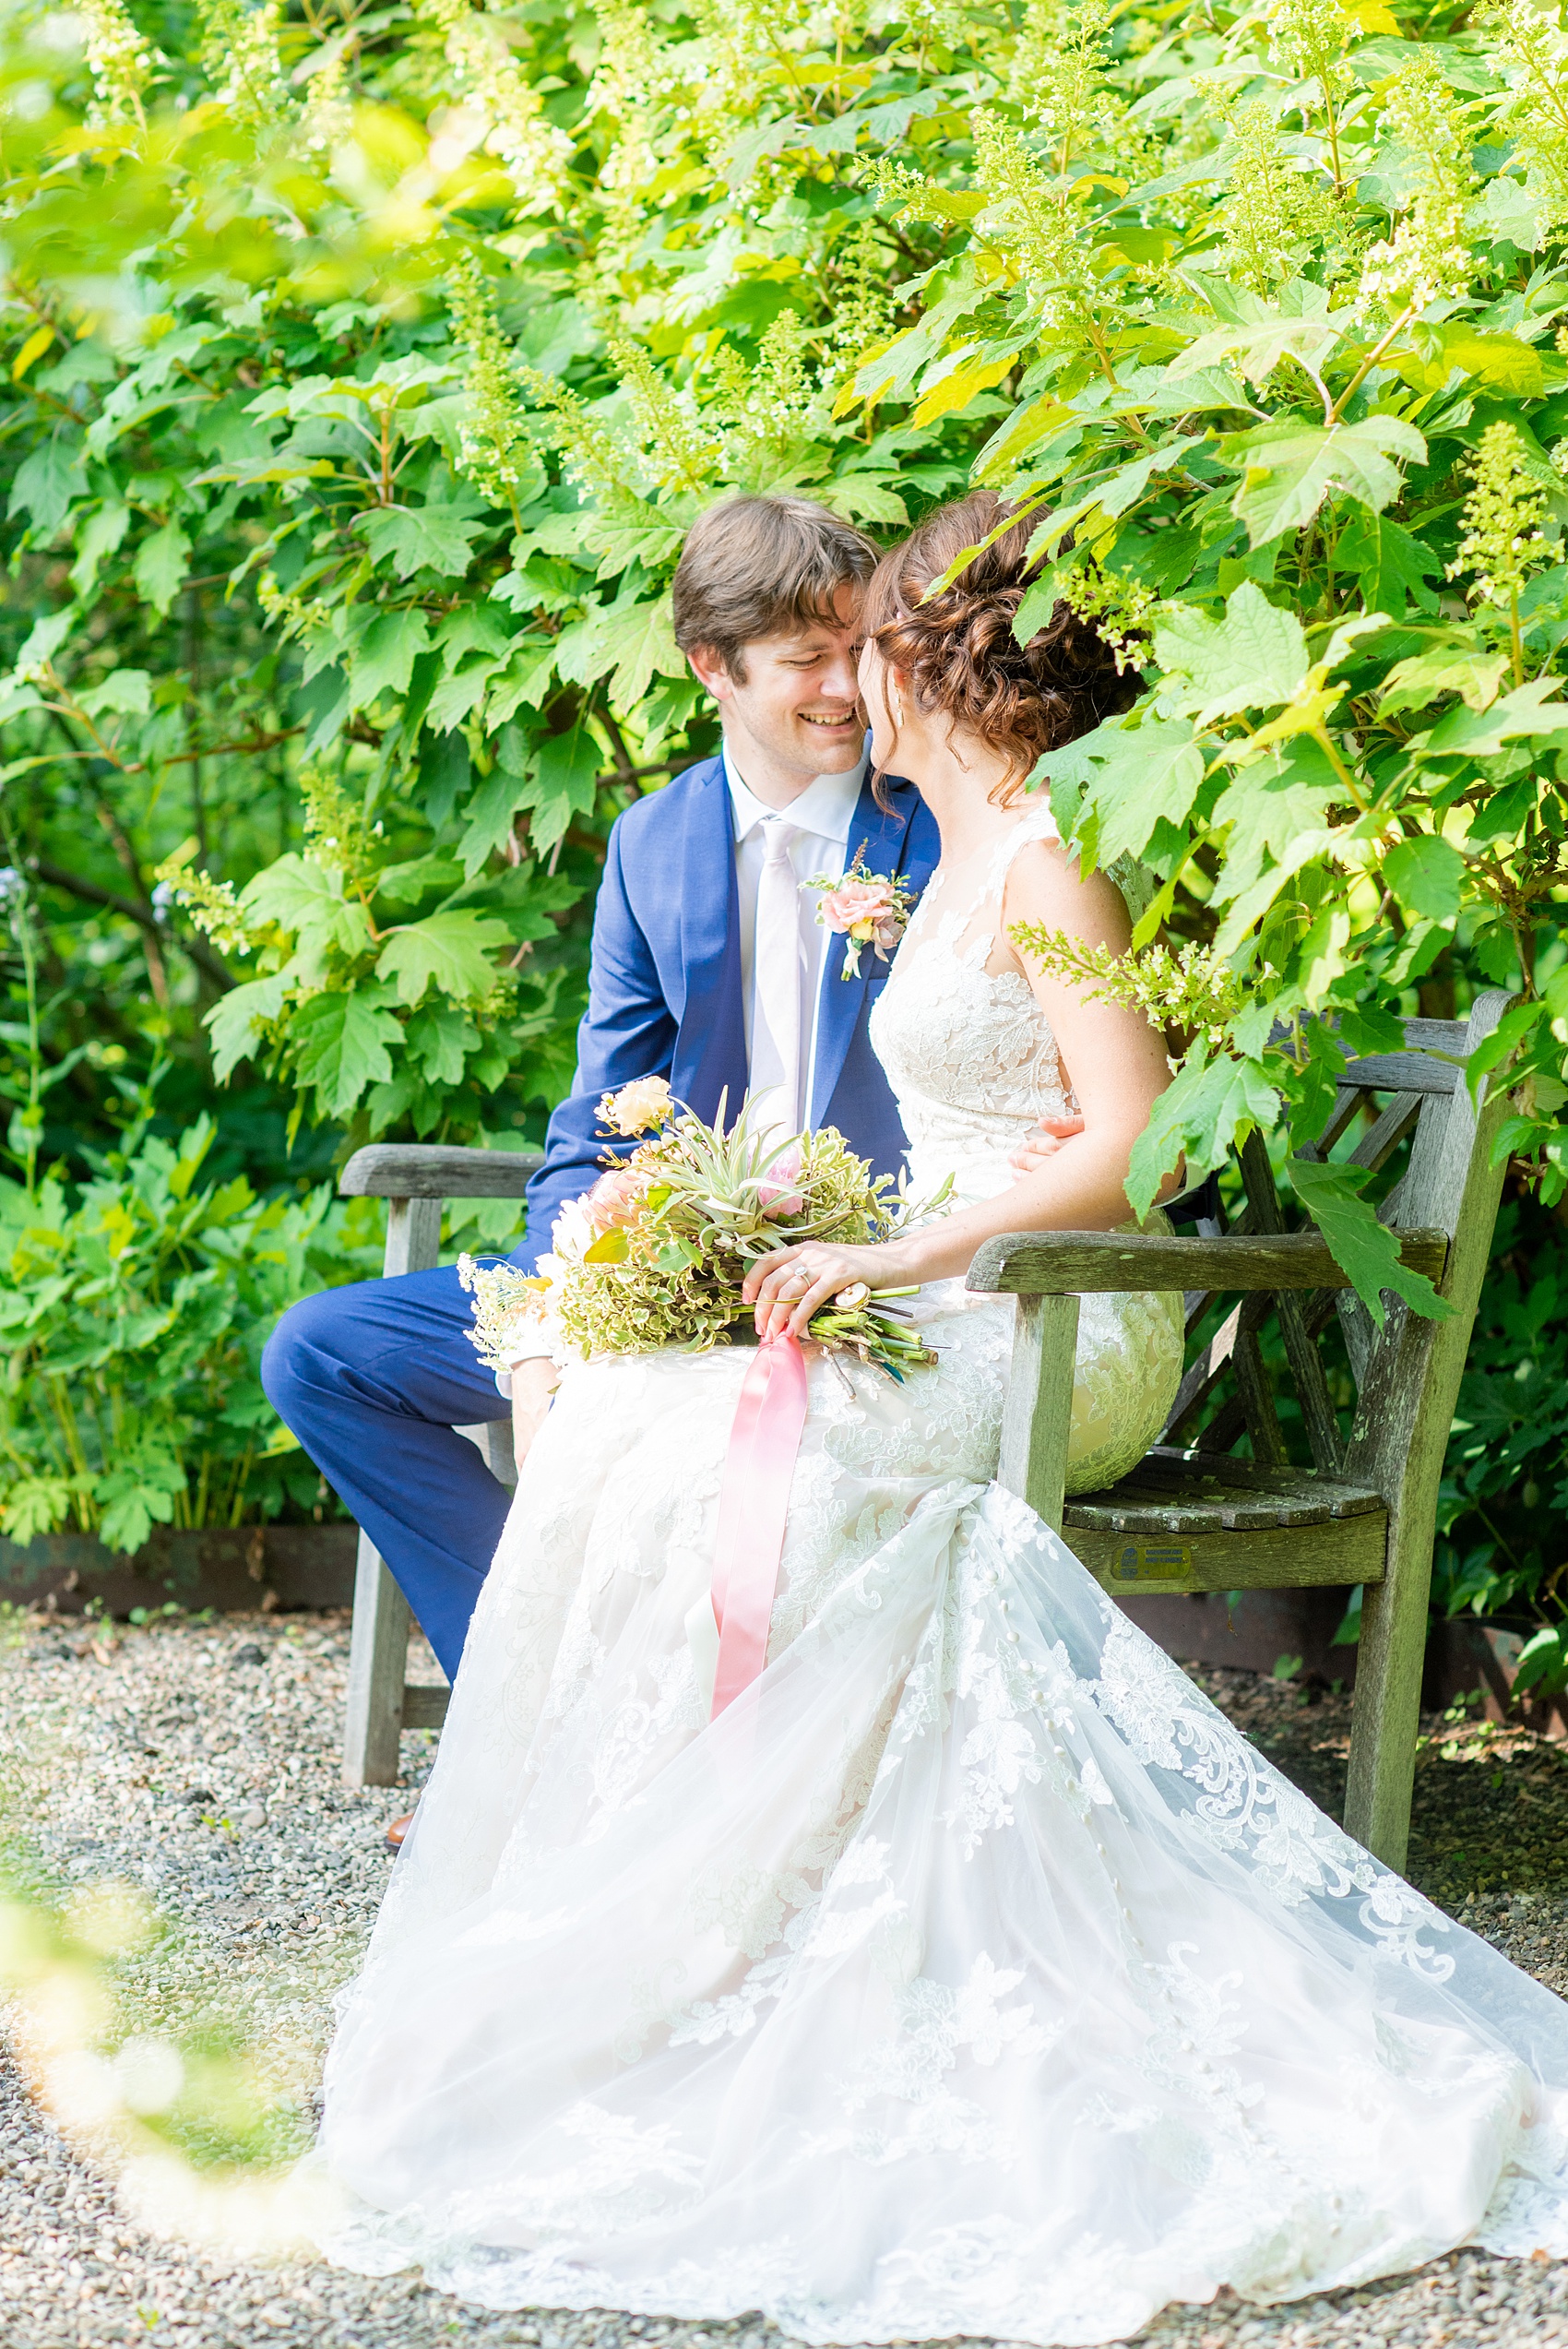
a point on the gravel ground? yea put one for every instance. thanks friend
(198, 1761)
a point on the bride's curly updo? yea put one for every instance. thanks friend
(957, 654)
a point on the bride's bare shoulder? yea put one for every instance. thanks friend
(1045, 888)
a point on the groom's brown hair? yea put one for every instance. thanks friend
(764, 566)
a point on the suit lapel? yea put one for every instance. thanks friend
(710, 1044)
(879, 836)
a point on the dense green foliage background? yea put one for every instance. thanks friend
(364, 367)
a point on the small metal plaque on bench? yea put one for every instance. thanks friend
(1151, 1562)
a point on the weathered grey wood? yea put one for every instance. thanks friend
(1080, 1263)
(1036, 1417)
(1200, 1472)
(414, 1237)
(1340, 1551)
(492, 1439)
(378, 1656)
(424, 1706)
(1402, 1072)
(1399, 1440)
(418, 1170)
(378, 1644)
(1306, 1367)
(1257, 1397)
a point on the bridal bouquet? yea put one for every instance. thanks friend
(654, 1254)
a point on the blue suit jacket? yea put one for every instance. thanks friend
(664, 983)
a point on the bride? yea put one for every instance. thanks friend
(968, 1974)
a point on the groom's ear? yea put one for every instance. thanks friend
(712, 672)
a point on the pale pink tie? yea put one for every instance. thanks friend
(776, 1024)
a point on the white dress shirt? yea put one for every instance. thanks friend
(822, 820)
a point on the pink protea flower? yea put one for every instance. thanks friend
(615, 1200)
(777, 1194)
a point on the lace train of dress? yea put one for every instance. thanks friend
(970, 1974)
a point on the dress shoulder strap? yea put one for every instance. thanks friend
(1036, 823)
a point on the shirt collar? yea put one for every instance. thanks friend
(825, 808)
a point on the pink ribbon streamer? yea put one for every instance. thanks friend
(753, 1507)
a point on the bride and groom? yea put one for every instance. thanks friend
(968, 1974)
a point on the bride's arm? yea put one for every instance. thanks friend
(1117, 1064)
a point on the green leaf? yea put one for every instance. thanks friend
(1473, 674)
(1132, 778)
(489, 815)
(127, 691)
(1501, 362)
(35, 1505)
(645, 642)
(1526, 714)
(611, 1248)
(100, 535)
(1387, 564)
(235, 1018)
(451, 951)
(439, 1037)
(1363, 1248)
(44, 485)
(136, 1495)
(523, 683)
(1288, 470)
(423, 538)
(565, 783)
(342, 1042)
(459, 696)
(1268, 807)
(1259, 343)
(161, 564)
(864, 497)
(45, 637)
(1543, 1660)
(385, 656)
(405, 884)
(1426, 874)
(1198, 1118)
(306, 901)
(1253, 659)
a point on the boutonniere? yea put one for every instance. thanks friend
(868, 908)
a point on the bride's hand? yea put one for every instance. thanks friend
(788, 1287)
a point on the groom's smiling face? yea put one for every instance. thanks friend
(791, 703)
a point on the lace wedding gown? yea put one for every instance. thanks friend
(969, 1974)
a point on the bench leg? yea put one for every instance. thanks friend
(1036, 1418)
(493, 1441)
(1385, 1715)
(378, 1653)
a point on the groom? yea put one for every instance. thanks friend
(709, 967)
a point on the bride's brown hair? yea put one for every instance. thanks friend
(956, 653)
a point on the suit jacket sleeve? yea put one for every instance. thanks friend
(628, 1030)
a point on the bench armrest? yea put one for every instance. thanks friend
(415, 1171)
(1055, 1264)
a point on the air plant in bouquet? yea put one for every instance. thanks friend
(655, 1255)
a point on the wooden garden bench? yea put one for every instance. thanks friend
(1193, 1516)
(416, 1182)
(1187, 1519)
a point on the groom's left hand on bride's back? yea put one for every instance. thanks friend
(1042, 1141)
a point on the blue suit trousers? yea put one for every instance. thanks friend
(373, 1379)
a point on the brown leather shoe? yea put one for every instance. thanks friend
(395, 1832)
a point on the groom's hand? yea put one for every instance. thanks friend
(1042, 1141)
(533, 1383)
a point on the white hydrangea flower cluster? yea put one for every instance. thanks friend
(535, 154)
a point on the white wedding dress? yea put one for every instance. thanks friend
(970, 1974)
